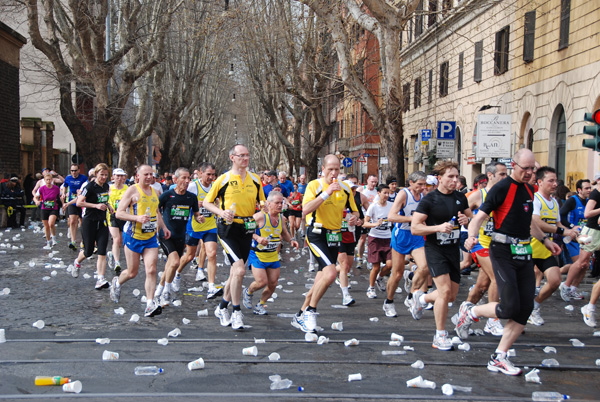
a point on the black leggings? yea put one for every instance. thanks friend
(94, 234)
(516, 283)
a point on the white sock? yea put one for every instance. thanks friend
(100, 277)
(500, 353)
(591, 307)
(345, 291)
(167, 288)
(536, 305)
(422, 300)
(440, 332)
(211, 286)
(573, 288)
(158, 290)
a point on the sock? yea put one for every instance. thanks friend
(345, 291)
(149, 302)
(500, 353)
(536, 305)
(236, 308)
(389, 301)
(591, 307)
(159, 290)
(422, 300)
(411, 276)
(410, 296)
(573, 288)
(167, 288)
(440, 332)
(473, 315)
(300, 312)
(224, 303)
(100, 277)
(313, 309)
(263, 302)
(211, 286)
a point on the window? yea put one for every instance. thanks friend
(501, 52)
(565, 16)
(528, 41)
(419, 20)
(432, 16)
(444, 69)
(430, 97)
(477, 68)
(461, 61)
(406, 97)
(418, 92)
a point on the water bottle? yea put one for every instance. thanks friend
(548, 396)
(148, 370)
(148, 213)
(351, 228)
(260, 246)
(232, 209)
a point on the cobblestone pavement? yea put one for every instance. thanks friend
(75, 315)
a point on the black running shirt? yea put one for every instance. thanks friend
(441, 208)
(512, 205)
(592, 222)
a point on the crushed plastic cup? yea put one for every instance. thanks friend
(31, 264)
(396, 337)
(108, 355)
(448, 389)
(46, 278)
(103, 341)
(419, 382)
(354, 377)
(322, 340)
(338, 326)
(53, 273)
(177, 303)
(86, 276)
(511, 353)
(310, 337)
(143, 299)
(352, 342)
(374, 319)
(251, 351)
(569, 307)
(119, 311)
(409, 348)
(274, 357)
(202, 313)
(597, 362)
(6, 291)
(197, 364)
(597, 333)
(418, 365)
(392, 352)
(39, 324)
(395, 343)
(136, 292)
(456, 340)
(464, 346)
(533, 376)
(17, 263)
(478, 332)
(281, 384)
(163, 341)
(175, 333)
(576, 343)
(72, 387)
(550, 363)
(2, 335)
(549, 349)
(259, 340)
(185, 321)
(134, 318)
(274, 377)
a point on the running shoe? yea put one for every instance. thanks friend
(101, 284)
(389, 309)
(398, 290)
(464, 320)
(369, 266)
(312, 267)
(47, 246)
(115, 292)
(565, 292)
(380, 282)
(371, 294)
(536, 318)
(575, 295)
(260, 309)
(118, 269)
(589, 316)
(75, 270)
(416, 309)
(442, 342)
(348, 300)
(503, 365)
(214, 292)
(247, 299)
(200, 275)
(176, 284)
(298, 321)
(223, 315)
(72, 245)
(53, 242)
(237, 320)
(408, 302)
(429, 306)
(493, 327)
(310, 321)
(153, 308)
(194, 264)
(164, 299)
(110, 260)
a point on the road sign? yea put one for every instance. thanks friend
(446, 130)
(507, 162)
(361, 159)
(445, 149)
(384, 160)
(366, 155)
(347, 162)
(425, 134)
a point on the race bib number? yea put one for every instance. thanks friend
(488, 228)
(205, 212)
(180, 213)
(250, 226)
(272, 246)
(384, 226)
(49, 204)
(334, 239)
(448, 238)
(117, 204)
(582, 222)
(520, 249)
(102, 198)
(150, 226)
(344, 225)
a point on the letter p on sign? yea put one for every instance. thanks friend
(446, 130)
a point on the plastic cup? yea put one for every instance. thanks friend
(351, 342)
(338, 326)
(163, 341)
(251, 351)
(202, 313)
(396, 337)
(39, 324)
(2, 336)
(415, 382)
(274, 357)
(134, 318)
(322, 340)
(355, 377)
(310, 337)
(395, 343)
(108, 355)
(73, 387)
(464, 346)
(185, 321)
(197, 364)
(175, 333)
(418, 364)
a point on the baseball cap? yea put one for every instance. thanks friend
(119, 172)
(272, 173)
(431, 180)
(597, 176)
(14, 179)
(350, 184)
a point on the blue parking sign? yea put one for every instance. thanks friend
(425, 134)
(446, 130)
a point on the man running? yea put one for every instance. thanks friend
(511, 201)
(324, 203)
(369, 191)
(72, 184)
(115, 226)
(139, 207)
(239, 192)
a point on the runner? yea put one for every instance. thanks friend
(438, 217)
(178, 207)
(324, 203)
(239, 192)
(295, 211)
(369, 191)
(511, 201)
(71, 186)
(94, 230)
(115, 226)
(403, 242)
(264, 256)
(139, 207)
(47, 199)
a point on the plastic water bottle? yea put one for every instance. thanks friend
(351, 228)
(148, 370)
(260, 246)
(548, 396)
(232, 209)
(148, 213)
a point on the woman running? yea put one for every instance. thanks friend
(47, 197)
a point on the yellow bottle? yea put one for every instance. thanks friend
(57, 380)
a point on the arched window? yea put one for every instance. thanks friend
(558, 142)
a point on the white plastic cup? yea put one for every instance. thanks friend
(261, 340)
(175, 333)
(351, 342)
(2, 336)
(274, 357)
(163, 341)
(464, 346)
(338, 326)
(73, 387)
(202, 313)
(395, 343)
(185, 321)
(134, 318)
(108, 355)
(396, 337)
(310, 337)
(322, 340)
(39, 324)
(415, 382)
(197, 364)
(447, 389)
(355, 377)
(136, 292)
(418, 364)
(251, 351)
(103, 341)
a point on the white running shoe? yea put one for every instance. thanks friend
(416, 309)
(260, 309)
(494, 327)
(408, 302)
(200, 275)
(110, 260)
(390, 310)
(237, 320)
(247, 299)
(398, 290)
(115, 292)
(407, 281)
(223, 316)
(536, 318)
(442, 342)
(589, 316)
(47, 246)
(312, 267)
(101, 284)
(53, 241)
(347, 300)
(75, 270)
(164, 299)
(213, 292)
(565, 292)
(310, 320)
(371, 294)
(464, 320)
(503, 365)
(153, 309)
(380, 282)
(176, 285)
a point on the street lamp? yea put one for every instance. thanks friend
(486, 107)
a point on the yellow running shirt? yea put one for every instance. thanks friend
(145, 204)
(230, 189)
(210, 221)
(548, 211)
(114, 197)
(268, 253)
(331, 212)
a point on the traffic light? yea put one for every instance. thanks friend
(592, 143)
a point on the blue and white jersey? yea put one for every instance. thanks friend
(408, 209)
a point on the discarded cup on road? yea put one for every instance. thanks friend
(410, 348)
(351, 342)
(2, 336)
(550, 363)
(448, 389)
(310, 337)
(576, 343)
(251, 351)
(597, 333)
(17, 263)
(185, 321)
(338, 326)
(597, 362)
(103, 341)
(355, 377)
(202, 313)
(511, 353)
(53, 273)
(119, 311)
(533, 376)
(322, 340)
(374, 319)
(281, 384)
(418, 364)
(259, 340)
(456, 340)
(134, 318)
(73, 387)
(569, 307)
(549, 349)
(108, 355)
(163, 341)
(39, 324)
(419, 382)
(177, 303)
(464, 346)
(175, 333)
(392, 352)
(196, 364)
(395, 343)
(274, 357)
(396, 337)
(136, 292)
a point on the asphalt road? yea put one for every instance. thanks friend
(75, 315)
